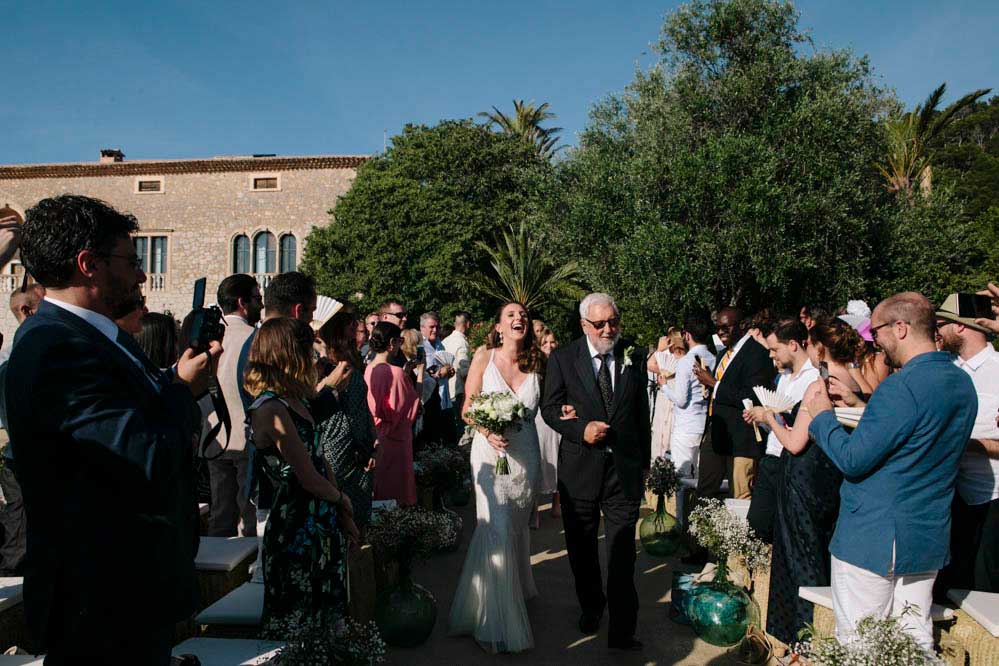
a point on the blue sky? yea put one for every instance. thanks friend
(194, 79)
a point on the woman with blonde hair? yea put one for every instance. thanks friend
(304, 549)
(662, 364)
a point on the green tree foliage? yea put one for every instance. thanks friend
(409, 227)
(526, 122)
(966, 157)
(738, 170)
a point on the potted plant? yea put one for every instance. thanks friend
(722, 613)
(659, 531)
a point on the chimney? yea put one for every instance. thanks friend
(111, 155)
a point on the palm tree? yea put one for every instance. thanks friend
(524, 271)
(526, 122)
(910, 133)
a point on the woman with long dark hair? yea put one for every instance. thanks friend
(348, 436)
(158, 338)
(497, 579)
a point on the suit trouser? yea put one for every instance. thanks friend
(763, 507)
(711, 469)
(858, 593)
(741, 476)
(230, 495)
(581, 519)
(15, 533)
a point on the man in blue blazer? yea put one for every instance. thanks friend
(899, 467)
(103, 443)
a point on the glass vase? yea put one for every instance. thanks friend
(719, 612)
(660, 532)
(406, 613)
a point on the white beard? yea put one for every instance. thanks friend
(604, 346)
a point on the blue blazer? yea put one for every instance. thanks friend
(105, 463)
(899, 467)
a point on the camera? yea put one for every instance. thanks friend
(206, 323)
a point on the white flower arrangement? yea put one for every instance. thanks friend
(628, 361)
(497, 412)
(721, 533)
(879, 642)
(317, 639)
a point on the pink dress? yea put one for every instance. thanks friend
(393, 403)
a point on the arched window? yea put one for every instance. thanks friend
(264, 251)
(288, 247)
(241, 254)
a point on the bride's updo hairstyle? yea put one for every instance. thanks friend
(839, 340)
(530, 358)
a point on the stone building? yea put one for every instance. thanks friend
(206, 217)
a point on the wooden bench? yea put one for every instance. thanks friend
(230, 651)
(13, 624)
(825, 621)
(223, 564)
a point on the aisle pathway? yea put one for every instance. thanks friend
(554, 613)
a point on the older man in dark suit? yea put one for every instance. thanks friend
(103, 443)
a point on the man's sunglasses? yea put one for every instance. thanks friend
(402, 314)
(599, 325)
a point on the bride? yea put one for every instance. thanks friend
(496, 578)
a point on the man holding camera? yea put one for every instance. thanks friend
(103, 442)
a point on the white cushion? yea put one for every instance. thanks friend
(20, 660)
(242, 607)
(983, 606)
(11, 592)
(224, 553)
(738, 507)
(822, 596)
(229, 651)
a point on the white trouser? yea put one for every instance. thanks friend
(683, 449)
(258, 566)
(858, 593)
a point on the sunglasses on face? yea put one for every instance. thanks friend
(398, 315)
(599, 325)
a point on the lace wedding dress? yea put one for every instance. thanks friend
(496, 578)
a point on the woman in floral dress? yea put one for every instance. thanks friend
(311, 519)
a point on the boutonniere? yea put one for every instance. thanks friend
(627, 355)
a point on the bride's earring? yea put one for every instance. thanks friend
(501, 337)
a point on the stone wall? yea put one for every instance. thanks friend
(200, 214)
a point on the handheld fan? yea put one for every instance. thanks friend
(848, 416)
(748, 404)
(326, 307)
(444, 358)
(776, 402)
(667, 363)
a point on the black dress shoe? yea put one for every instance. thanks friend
(589, 624)
(629, 644)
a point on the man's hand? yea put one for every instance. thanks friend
(196, 369)
(816, 399)
(702, 375)
(445, 371)
(596, 432)
(991, 324)
(568, 413)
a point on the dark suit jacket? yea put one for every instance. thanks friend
(730, 435)
(105, 463)
(570, 381)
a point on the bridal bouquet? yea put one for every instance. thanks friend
(497, 412)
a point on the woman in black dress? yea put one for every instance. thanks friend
(807, 490)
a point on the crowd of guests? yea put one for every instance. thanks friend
(867, 507)
(124, 420)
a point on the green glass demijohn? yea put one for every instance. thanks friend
(719, 612)
(660, 532)
(406, 613)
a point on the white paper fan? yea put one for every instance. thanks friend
(667, 363)
(444, 358)
(848, 416)
(772, 400)
(326, 307)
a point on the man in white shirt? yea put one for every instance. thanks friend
(241, 303)
(438, 419)
(974, 533)
(787, 345)
(457, 344)
(690, 401)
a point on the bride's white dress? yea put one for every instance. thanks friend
(496, 578)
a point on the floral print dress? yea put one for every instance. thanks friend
(305, 564)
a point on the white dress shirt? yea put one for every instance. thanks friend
(735, 351)
(978, 475)
(690, 407)
(794, 387)
(595, 362)
(107, 328)
(457, 344)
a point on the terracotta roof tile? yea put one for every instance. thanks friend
(168, 167)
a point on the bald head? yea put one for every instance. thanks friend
(912, 308)
(24, 303)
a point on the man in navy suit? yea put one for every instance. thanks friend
(899, 468)
(103, 443)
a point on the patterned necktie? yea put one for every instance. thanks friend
(719, 372)
(604, 381)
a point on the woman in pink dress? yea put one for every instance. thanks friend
(393, 403)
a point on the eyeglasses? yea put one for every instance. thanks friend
(398, 315)
(874, 329)
(130, 258)
(599, 325)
